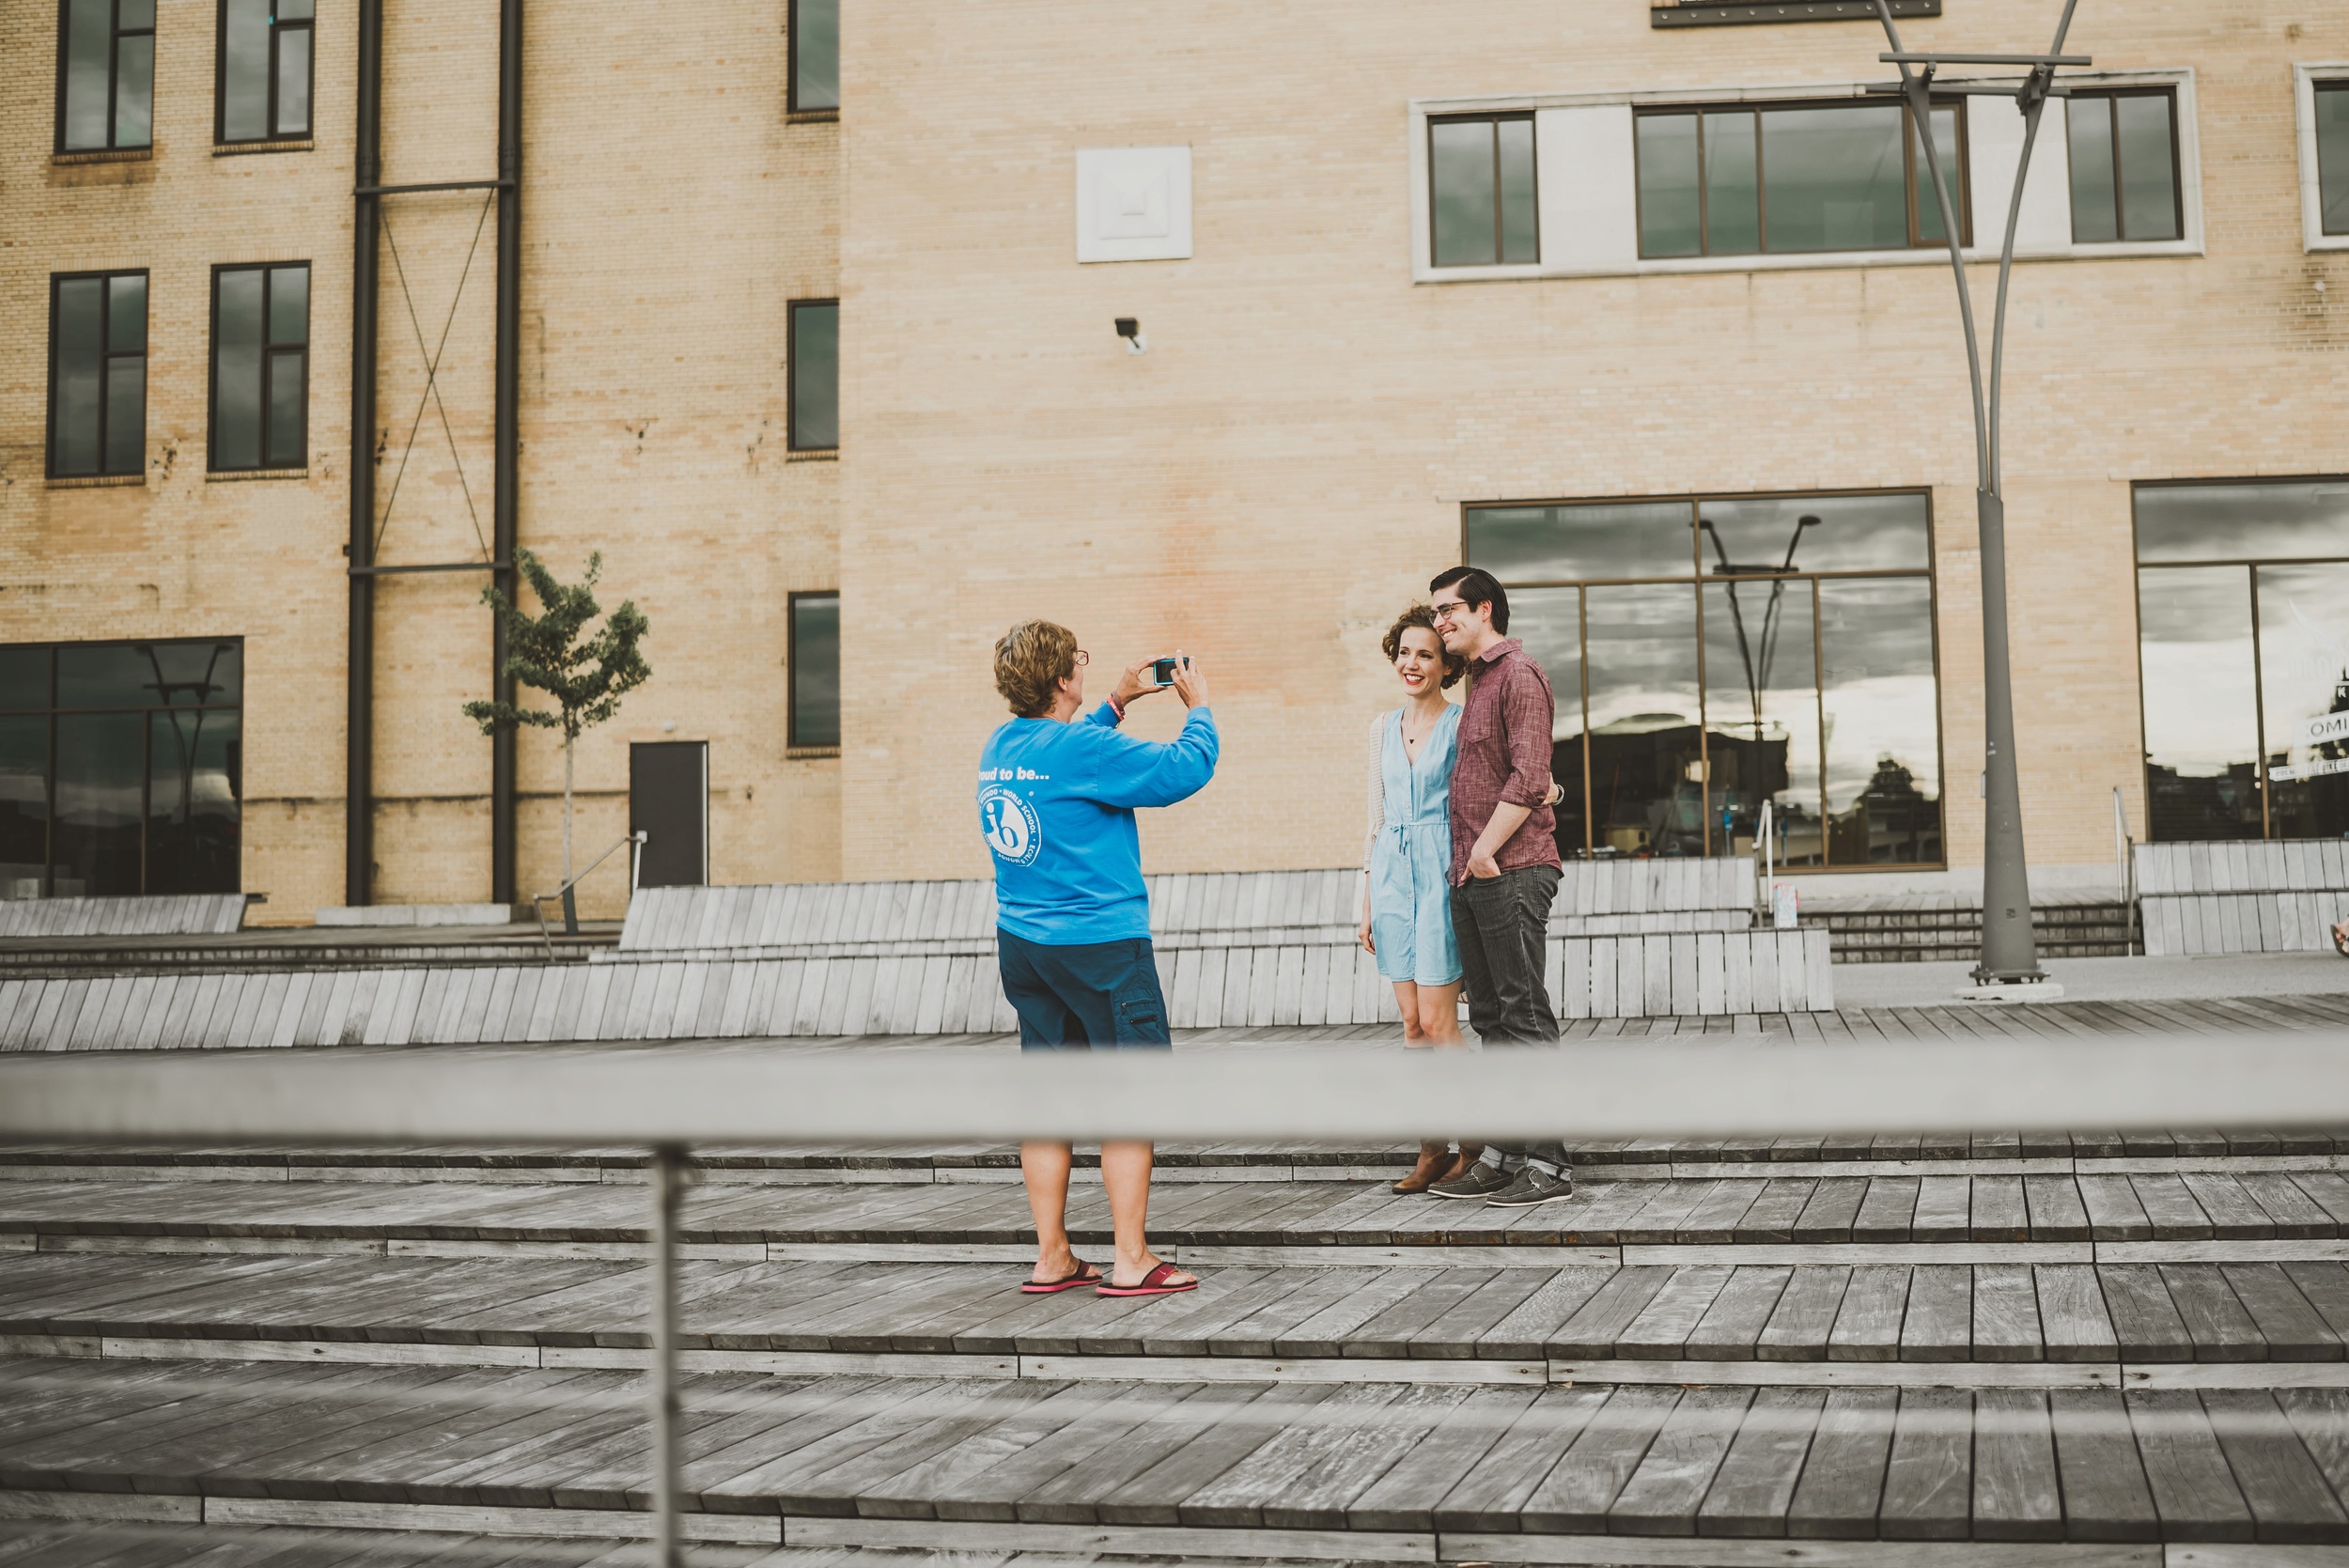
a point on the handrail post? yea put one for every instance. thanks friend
(668, 1186)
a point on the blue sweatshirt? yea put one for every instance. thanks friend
(1057, 805)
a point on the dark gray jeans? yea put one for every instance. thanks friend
(1502, 923)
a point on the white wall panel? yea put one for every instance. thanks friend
(1588, 191)
(1995, 135)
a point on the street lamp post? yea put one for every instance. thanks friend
(2008, 968)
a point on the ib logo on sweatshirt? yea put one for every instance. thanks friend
(1013, 830)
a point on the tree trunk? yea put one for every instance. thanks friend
(566, 808)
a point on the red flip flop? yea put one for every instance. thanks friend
(1085, 1274)
(1153, 1284)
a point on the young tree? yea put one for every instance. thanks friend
(586, 679)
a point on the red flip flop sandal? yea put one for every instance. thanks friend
(1085, 1274)
(1153, 1284)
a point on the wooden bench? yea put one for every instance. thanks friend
(199, 914)
(2281, 896)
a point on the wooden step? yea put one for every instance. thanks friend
(1390, 1471)
(2250, 1213)
(2050, 1325)
(2009, 1154)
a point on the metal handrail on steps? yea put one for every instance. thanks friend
(570, 902)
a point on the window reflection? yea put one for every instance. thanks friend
(2304, 692)
(2202, 703)
(1687, 733)
(123, 774)
(1574, 544)
(195, 781)
(1644, 720)
(101, 763)
(1880, 721)
(24, 804)
(1762, 714)
(1549, 621)
(2243, 523)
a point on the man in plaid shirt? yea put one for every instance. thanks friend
(1505, 863)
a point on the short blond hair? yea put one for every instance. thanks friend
(1031, 661)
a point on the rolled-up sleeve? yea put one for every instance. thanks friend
(1528, 712)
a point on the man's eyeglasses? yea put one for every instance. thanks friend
(1083, 657)
(1445, 612)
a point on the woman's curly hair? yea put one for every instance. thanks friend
(1031, 661)
(1420, 616)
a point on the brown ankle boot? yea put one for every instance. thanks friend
(1434, 1160)
(1470, 1154)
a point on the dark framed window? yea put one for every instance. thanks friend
(1796, 177)
(105, 74)
(1711, 654)
(97, 374)
(2243, 653)
(814, 32)
(121, 768)
(1481, 202)
(260, 366)
(263, 92)
(814, 658)
(2124, 167)
(813, 351)
(2332, 155)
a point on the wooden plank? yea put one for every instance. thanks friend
(1939, 1325)
(2074, 1322)
(1663, 1495)
(1838, 1496)
(1660, 1332)
(1754, 1490)
(1154, 1495)
(2054, 1210)
(1493, 1494)
(2194, 1490)
(1887, 1211)
(2288, 1329)
(1733, 1324)
(1929, 1480)
(2114, 1213)
(2215, 1321)
(1575, 1497)
(2017, 1495)
(1944, 1209)
(1804, 1318)
(2006, 1315)
(1527, 1331)
(1591, 1333)
(2145, 1322)
(1407, 1496)
(2106, 1496)
(1868, 1322)
(2287, 1494)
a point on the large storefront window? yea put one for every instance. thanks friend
(1712, 654)
(121, 768)
(2242, 628)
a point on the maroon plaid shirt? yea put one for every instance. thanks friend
(1505, 755)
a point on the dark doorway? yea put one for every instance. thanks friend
(668, 800)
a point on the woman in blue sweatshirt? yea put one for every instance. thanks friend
(1056, 798)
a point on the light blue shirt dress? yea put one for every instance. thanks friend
(1410, 853)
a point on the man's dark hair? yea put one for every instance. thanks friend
(1477, 587)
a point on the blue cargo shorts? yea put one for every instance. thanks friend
(1077, 998)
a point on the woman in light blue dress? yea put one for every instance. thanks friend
(1407, 902)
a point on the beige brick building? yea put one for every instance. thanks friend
(1341, 394)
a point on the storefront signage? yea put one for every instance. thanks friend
(2323, 728)
(2322, 768)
